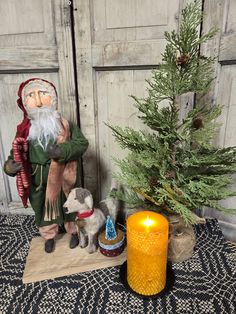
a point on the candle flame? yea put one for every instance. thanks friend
(148, 222)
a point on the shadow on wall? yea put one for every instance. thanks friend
(227, 222)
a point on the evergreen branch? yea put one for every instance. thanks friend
(130, 198)
(129, 138)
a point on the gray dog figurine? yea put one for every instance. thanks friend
(90, 220)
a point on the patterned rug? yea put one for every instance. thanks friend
(206, 283)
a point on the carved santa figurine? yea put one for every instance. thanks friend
(45, 159)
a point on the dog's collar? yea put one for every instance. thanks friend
(85, 215)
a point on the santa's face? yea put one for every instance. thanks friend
(40, 101)
(36, 98)
(39, 94)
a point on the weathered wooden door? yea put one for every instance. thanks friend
(222, 14)
(118, 43)
(35, 41)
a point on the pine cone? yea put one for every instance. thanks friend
(180, 193)
(197, 123)
(170, 174)
(183, 59)
(153, 182)
(194, 145)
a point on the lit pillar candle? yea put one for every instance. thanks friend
(147, 243)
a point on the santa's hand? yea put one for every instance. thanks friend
(54, 151)
(12, 167)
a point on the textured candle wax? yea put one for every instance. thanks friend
(147, 242)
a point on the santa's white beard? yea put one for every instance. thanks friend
(45, 125)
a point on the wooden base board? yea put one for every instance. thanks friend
(63, 261)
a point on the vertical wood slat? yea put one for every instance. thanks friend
(227, 53)
(65, 59)
(211, 48)
(222, 92)
(87, 100)
(4, 186)
(116, 107)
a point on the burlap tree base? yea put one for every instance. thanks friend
(181, 240)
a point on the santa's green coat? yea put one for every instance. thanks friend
(71, 150)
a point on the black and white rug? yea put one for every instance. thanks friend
(206, 283)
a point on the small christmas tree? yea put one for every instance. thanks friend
(175, 168)
(110, 229)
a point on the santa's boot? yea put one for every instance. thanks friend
(74, 241)
(49, 245)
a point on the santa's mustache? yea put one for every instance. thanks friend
(45, 125)
(35, 113)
